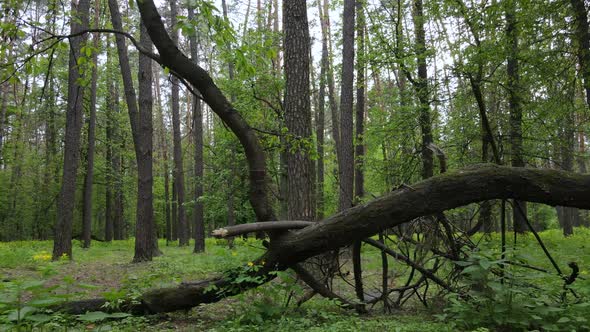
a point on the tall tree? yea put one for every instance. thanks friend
(298, 111)
(183, 229)
(110, 146)
(141, 130)
(515, 106)
(421, 86)
(146, 245)
(359, 178)
(163, 147)
(346, 159)
(62, 243)
(89, 176)
(198, 217)
(582, 39)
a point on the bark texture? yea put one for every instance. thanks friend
(183, 229)
(421, 85)
(346, 158)
(515, 105)
(300, 186)
(198, 217)
(62, 243)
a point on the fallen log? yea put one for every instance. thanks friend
(439, 193)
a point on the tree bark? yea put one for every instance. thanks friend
(163, 147)
(146, 244)
(110, 144)
(3, 108)
(62, 244)
(515, 105)
(89, 176)
(300, 187)
(198, 217)
(421, 85)
(346, 159)
(183, 233)
(582, 39)
(359, 179)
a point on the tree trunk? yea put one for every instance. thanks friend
(568, 217)
(110, 143)
(89, 178)
(454, 189)
(300, 186)
(582, 39)
(146, 245)
(346, 159)
(359, 179)
(62, 244)
(329, 72)
(320, 127)
(421, 86)
(515, 105)
(198, 217)
(183, 233)
(3, 108)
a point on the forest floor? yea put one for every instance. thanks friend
(106, 270)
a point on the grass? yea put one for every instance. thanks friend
(108, 267)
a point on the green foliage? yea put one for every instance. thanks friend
(505, 297)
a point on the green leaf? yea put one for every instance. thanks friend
(39, 318)
(564, 320)
(93, 316)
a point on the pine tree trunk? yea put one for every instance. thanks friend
(62, 244)
(300, 186)
(183, 232)
(515, 105)
(89, 178)
(198, 217)
(346, 159)
(421, 86)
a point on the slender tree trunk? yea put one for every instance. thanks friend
(320, 127)
(164, 151)
(110, 143)
(174, 208)
(198, 217)
(515, 105)
(346, 159)
(141, 130)
(183, 233)
(582, 39)
(146, 245)
(3, 108)
(359, 179)
(62, 244)
(89, 178)
(326, 63)
(231, 215)
(568, 216)
(422, 91)
(117, 162)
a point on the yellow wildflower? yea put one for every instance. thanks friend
(250, 264)
(42, 256)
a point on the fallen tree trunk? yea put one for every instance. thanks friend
(451, 190)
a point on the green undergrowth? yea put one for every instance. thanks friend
(525, 299)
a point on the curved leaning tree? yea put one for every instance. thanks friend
(287, 249)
